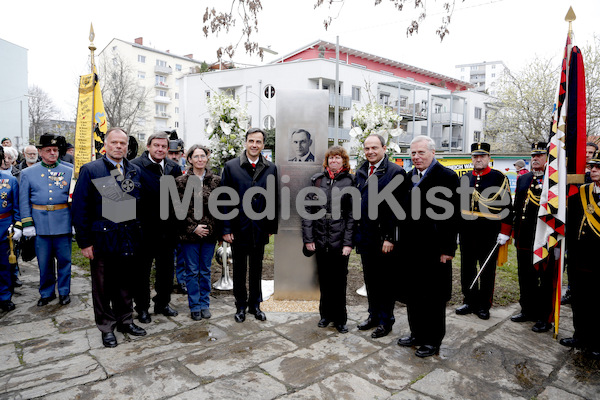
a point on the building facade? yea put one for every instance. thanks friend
(430, 103)
(157, 73)
(14, 110)
(483, 75)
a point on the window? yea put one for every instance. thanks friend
(176, 96)
(160, 80)
(384, 98)
(494, 66)
(207, 93)
(403, 101)
(438, 108)
(161, 93)
(161, 63)
(115, 61)
(114, 48)
(141, 58)
(462, 69)
(355, 93)
(493, 75)
(176, 124)
(269, 122)
(477, 113)
(477, 136)
(161, 109)
(474, 68)
(176, 110)
(269, 91)
(462, 78)
(205, 123)
(177, 67)
(141, 75)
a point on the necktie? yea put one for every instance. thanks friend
(372, 169)
(120, 168)
(420, 175)
(253, 165)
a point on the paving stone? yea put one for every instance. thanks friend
(27, 330)
(552, 393)
(51, 348)
(323, 358)
(579, 375)
(153, 349)
(9, 357)
(341, 386)
(251, 385)
(394, 367)
(149, 382)
(304, 332)
(451, 385)
(237, 356)
(75, 320)
(27, 383)
(410, 395)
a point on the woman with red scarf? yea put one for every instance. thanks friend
(331, 236)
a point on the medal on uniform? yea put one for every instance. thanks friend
(590, 208)
(4, 203)
(3, 195)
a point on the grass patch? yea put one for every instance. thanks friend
(78, 259)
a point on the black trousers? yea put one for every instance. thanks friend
(379, 279)
(472, 252)
(585, 304)
(162, 255)
(332, 270)
(247, 263)
(112, 280)
(427, 321)
(536, 285)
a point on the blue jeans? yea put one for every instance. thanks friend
(48, 247)
(179, 265)
(198, 258)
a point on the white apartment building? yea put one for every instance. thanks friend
(483, 75)
(430, 103)
(14, 110)
(157, 71)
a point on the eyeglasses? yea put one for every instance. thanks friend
(592, 166)
(199, 157)
(31, 154)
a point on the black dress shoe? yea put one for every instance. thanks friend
(240, 315)
(182, 289)
(541, 326)
(7, 305)
(258, 314)
(167, 311)
(196, 316)
(381, 331)
(64, 300)
(464, 310)
(144, 317)
(408, 341)
(341, 328)
(570, 342)
(205, 313)
(132, 329)
(109, 339)
(323, 323)
(520, 317)
(427, 350)
(483, 314)
(367, 324)
(45, 300)
(593, 354)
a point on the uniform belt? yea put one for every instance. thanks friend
(481, 214)
(50, 207)
(6, 215)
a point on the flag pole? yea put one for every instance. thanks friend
(92, 48)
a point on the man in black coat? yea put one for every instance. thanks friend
(430, 244)
(535, 281)
(111, 245)
(486, 222)
(159, 240)
(248, 236)
(377, 236)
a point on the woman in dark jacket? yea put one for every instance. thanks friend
(198, 237)
(331, 237)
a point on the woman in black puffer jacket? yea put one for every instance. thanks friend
(331, 236)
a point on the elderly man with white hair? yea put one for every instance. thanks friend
(8, 165)
(31, 157)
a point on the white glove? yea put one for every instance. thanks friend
(502, 239)
(29, 231)
(17, 235)
(73, 230)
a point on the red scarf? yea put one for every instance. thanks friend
(332, 175)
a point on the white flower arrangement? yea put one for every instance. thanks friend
(374, 118)
(226, 128)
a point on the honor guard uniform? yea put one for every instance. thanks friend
(45, 213)
(9, 215)
(535, 281)
(583, 240)
(485, 225)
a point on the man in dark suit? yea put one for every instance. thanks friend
(486, 222)
(159, 239)
(430, 244)
(535, 281)
(110, 246)
(377, 236)
(248, 236)
(301, 143)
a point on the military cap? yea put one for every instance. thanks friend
(175, 146)
(480, 148)
(47, 140)
(539, 148)
(595, 159)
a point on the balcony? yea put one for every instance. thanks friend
(162, 115)
(161, 85)
(163, 70)
(162, 99)
(420, 113)
(447, 118)
(343, 133)
(345, 102)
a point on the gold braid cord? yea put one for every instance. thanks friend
(486, 201)
(590, 209)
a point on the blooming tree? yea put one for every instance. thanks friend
(226, 128)
(374, 118)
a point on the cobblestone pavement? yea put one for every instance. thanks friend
(56, 352)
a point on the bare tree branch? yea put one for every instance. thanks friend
(41, 109)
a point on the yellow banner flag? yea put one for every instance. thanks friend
(100, 124)
(84, 124)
